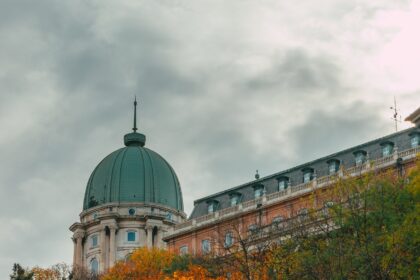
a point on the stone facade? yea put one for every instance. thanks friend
(110, 232)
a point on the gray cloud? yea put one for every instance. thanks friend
(225, 88)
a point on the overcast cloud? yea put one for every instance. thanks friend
(225, 87)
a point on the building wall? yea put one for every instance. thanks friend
(239, 224)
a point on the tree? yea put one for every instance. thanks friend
(19, 273)
(371, 232)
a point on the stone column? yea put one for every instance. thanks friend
(149, 237)
(112, 246)
(102, 262)
(159, 238)
(78, 236)
(74, 251)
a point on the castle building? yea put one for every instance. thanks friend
(272, 204)
(133, 199)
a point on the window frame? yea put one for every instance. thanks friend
(414, 138)
(387, 148)
(205, 246)
(235, 197)
(359, 157)
(283, 183)
(129, 232)
(259, 191)
(92, 269)
(231, 238)
(183, 250)
(94, 241)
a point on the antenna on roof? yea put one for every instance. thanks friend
(396, 114)
(135, 114)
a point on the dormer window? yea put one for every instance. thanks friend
(360, 157)
(283, 183)
(235, 198)
(258, 191)
(415, 139)
(308, 174)
(387, 148)
(212, 206)
(333, 166)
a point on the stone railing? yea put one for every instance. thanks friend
(383, 160)
(301, 187)
(204, 218)
(183, 225)
(275, 195)
(358, 169)
(228, 210)
(409, 152)
(327, 179)
(253, 202)
(292, 190)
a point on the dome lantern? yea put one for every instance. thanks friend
(134, 138)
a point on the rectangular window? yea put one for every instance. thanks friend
(205, 246)
(359, 158)
(94, 240)
(282, 185)
(414, 141)
(307, 177)
(183, 250)
(210, 208)
(234, 200)
(333, 167)
(386, 150)
(258, 192)
(228, 239)
(131, 236)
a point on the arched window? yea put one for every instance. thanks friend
(94, 266)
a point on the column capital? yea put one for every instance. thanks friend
(79, 233)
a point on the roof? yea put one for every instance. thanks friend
(133, 174)
(414, 117)
(373, 149)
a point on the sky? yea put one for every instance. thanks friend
(224, 88)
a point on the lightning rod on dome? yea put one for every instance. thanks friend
(135, 114)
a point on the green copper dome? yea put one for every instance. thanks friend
(133, 174)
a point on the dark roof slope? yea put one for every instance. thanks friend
(401, 140)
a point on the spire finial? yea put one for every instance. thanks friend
(135, 114)
(257, 176)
